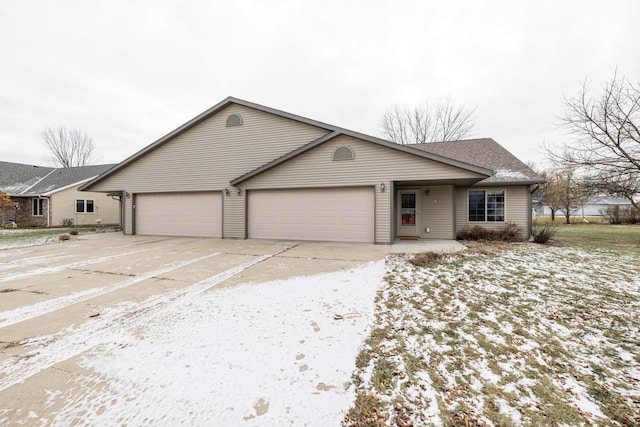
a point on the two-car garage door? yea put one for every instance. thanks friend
(179, 214)
(329, 214)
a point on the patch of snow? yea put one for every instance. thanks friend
(53, 269)
(253, 358)
(26, 312)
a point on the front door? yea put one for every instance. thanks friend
(408, 218)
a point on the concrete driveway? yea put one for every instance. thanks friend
(73, 314)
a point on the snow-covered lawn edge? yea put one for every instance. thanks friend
(528, 336)
(28, 237)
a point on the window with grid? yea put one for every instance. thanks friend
(85, 206)
(486, 205)
(495, 206)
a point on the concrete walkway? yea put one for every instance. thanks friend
(418, 246)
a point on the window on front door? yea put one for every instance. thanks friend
(408, 209)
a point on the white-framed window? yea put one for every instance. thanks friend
(486, 205)
(85, 206)
(37, 207)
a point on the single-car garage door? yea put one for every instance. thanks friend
(330, 214)
(179, 214)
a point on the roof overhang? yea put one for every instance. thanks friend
(333, 131)
(193, 122)
(336, 133)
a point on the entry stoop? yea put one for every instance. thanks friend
(418, 246)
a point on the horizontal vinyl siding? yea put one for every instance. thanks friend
(437, 212)
(372, 165)
(383, 213)
(209, 155)
(516, 209)
(63, 206)
(128, 215)
(234, 219)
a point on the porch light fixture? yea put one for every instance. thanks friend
(382, 187)
(238, 191)
(226, 191)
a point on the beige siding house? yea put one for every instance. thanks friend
(80, 208)
(241, 170)
(50, 197)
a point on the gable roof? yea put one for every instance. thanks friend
(487, 153)
(335, 134)
(27, 180)
(15, 178)
(332, 132)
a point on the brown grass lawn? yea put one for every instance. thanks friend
(508, 335)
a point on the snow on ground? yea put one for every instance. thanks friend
(276, 353)
(26, 312)
(529, 336)
(526, 336)
(26, 241)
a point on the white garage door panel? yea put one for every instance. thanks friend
(179, 214)
(332, 214)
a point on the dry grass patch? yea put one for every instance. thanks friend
(516, 334)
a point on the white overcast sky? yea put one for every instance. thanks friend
(127, 72)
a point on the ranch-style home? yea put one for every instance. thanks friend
(242, 170)
(49, 197)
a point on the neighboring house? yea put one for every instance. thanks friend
(241, 170)
(48, 197)
(595, 206)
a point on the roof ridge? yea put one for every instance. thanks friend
(38, 181)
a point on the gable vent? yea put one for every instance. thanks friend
(343, 153)
(234, 120)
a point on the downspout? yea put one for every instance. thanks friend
(532, 189)
(48, 209)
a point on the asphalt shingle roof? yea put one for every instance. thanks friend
(27, 180)
(485, 153)
(15, 178)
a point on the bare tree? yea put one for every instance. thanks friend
(427, 123)
(544, 192)
(69, 147)
(565, 191)
(607, 131)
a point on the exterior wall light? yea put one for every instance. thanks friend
(226, 191)
(238, 191)
(382, 187)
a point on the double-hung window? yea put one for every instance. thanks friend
(85, 206)
(486, 205)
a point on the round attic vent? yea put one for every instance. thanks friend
(234, 120)
(343, 153)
